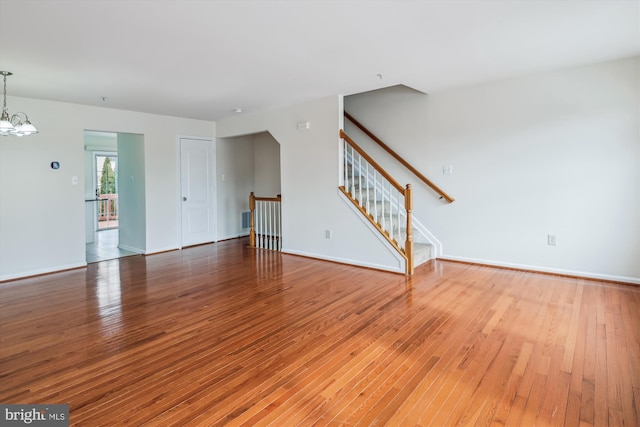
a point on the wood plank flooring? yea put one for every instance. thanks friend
(225, 335)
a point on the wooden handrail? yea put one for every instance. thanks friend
(396, 156)
(278, 198)
(373, 163)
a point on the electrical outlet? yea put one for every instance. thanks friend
(327, 234)
(447, 170)
(551, 240)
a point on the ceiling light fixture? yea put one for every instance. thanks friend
(18, 124)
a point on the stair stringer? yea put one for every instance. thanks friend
(401, 261)
(425, 236)
(420, 233)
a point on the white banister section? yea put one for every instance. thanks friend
(266, 222)
(378, 196)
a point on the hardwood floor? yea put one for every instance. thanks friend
(226, 335)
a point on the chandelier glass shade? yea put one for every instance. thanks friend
(17, 124)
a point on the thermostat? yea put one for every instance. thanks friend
(55, 165)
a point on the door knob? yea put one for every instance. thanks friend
(184, 199)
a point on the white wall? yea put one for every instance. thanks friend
(235, 170)
(42, 214)
(131, 193)
(309, 173)
(266, 157)
(552, 153)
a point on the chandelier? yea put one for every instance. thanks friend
(18, 124)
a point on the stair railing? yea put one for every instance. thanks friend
(396, 156)
(379, 197)
(266, 222)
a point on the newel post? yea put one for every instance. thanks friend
(408, 244)
(252, 209)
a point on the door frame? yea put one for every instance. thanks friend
(214, 184)
(95, 154)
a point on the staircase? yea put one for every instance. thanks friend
(384, 203)
(380, 211)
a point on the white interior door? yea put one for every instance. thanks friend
(197, 175)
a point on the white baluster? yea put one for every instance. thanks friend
(398, 217)
(262, 227)
(360, 178)
(353, 167)
(270, 226)
(391, 208)
(278, 221)
(345, 151)
(272, 218)
(366, 179)
(401, 236)
(382, 207)
(260, 219)
(375, 196)
(345, 172)
(257, 223)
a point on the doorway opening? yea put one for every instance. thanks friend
(257, 157)
(112, 206)
(106, 185)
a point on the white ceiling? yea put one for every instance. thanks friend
(201, 59)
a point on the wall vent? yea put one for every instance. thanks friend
(246, 219)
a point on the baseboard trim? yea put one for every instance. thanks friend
(232, 236)
(345, 261)
(544, 270)
(132, 249)
(225, 239)
(42, 272)
(160, 250)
